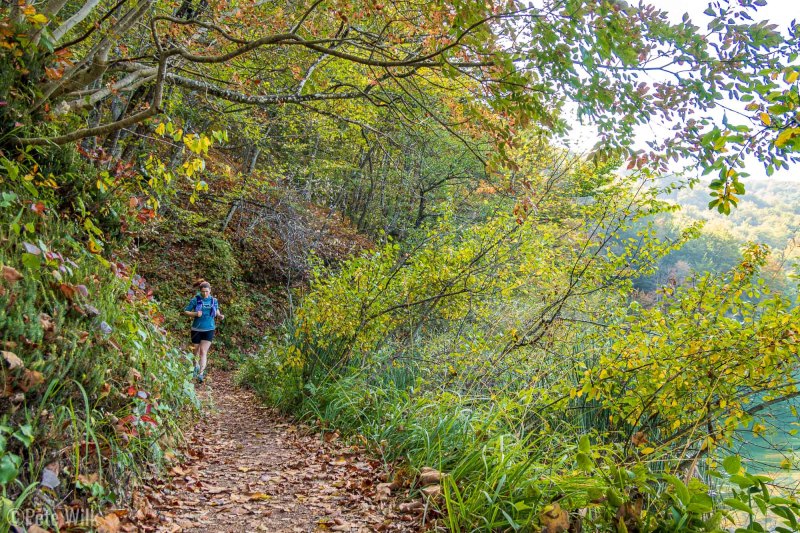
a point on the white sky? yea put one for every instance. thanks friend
(780, 12)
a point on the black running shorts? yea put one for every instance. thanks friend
(198, 336)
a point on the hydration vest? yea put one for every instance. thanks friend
(198, 305)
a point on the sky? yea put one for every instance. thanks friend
(780, 12)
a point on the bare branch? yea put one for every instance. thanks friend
(74, 20)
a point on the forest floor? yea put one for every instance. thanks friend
(247, 468)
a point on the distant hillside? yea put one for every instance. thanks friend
(769, 212)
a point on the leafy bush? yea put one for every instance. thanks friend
(507, 354)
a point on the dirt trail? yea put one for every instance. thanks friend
(249, 469)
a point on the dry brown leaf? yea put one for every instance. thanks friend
(12, 360)
(46, 321)
(67, 290)
(259, 496)
(11, 274)
(383, 491)
(33, 528)
(88, 479)
(411, 507)
(107, 524)
(30, 379)
(429, 476)
(554, 519)
(432, 491)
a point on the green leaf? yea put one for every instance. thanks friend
(680, 488)
(738, 505)
(732, 464)
(584, 444)
(25, 435)
(31, 261)
(742, 481)
(9, 467)
(522, 506)
(585, 462)
(701, 503)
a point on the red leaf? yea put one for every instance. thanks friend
(67, 290)
(38, 208)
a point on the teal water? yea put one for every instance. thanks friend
(776, 452)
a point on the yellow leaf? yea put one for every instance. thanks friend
(765, 119)
(791, 76)
(648, 450)
(785, 135)
(37, 19)
(161, 129)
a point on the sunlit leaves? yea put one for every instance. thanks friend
(696, 366)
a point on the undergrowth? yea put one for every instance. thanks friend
(447, 353)
(93, 392)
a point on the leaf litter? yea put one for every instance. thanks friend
(248, 468)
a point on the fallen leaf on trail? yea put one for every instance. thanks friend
(383, 491)
(429, 476)
(432, 491)
(11, 274)
(12, 360)
(259, 496)
(30, 379)
(107, 524)
(411, 507)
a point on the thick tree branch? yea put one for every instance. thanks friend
(74, 20)
(105, 129)
(259, 100)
